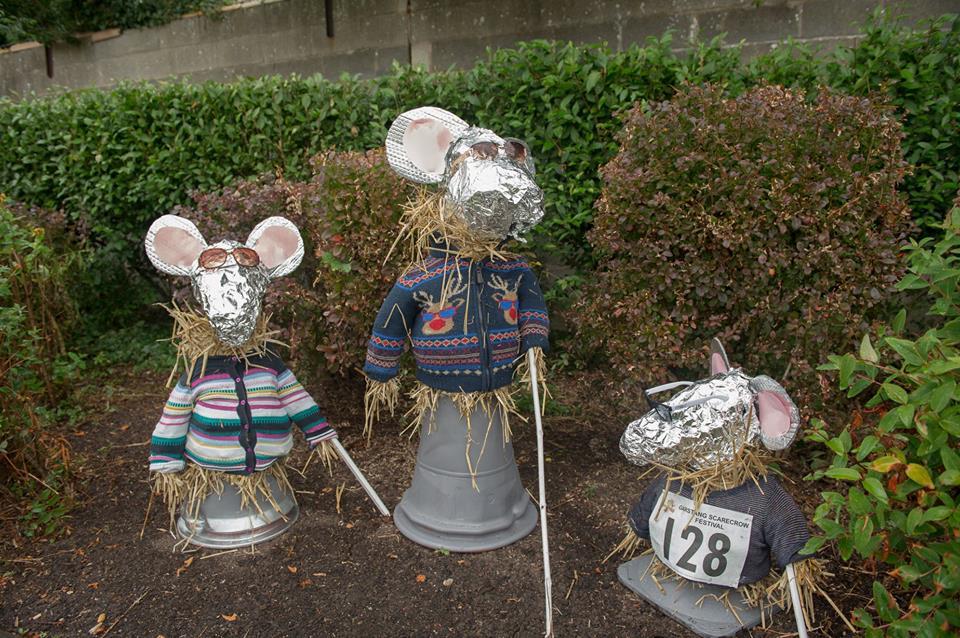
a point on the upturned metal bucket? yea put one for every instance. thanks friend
(442, 508)
(224, 523)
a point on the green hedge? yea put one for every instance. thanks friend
(59, 20)
(117, 159)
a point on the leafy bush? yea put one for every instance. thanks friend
(900, 514)
(36, 314)
(59, 20)
(348, 214)
(919, 73)
(765, 220)
(118, 159)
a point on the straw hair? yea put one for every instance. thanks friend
(627, 547)
(522, 373)
(380, 395)
(194, 484)
(429, 219)
(195, 340)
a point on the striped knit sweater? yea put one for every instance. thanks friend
(236, 417)
(468, 322)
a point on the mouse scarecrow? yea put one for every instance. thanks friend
(471, 310)
(218, 451)
(717, 518)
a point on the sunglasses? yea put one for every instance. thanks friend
(513, 148)
(664, 411)
(446, 313)
(507, 304)
(216, 257)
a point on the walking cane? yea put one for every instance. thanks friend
(342, 451)
(547, 582)
(795, 597)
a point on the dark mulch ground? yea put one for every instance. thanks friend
(348, 574)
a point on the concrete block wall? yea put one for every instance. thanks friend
(292, 36)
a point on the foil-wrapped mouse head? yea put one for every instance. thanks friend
(488, 179)
(707, 422)
(228, 278)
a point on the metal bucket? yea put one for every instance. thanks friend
(223, 523)
(442, 509)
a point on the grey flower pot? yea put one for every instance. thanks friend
(691, 604)
(442, 510)
(223, 524)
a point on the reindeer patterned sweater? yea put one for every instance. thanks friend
(468, 322)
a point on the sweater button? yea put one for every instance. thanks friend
(243, 401)
(238, 379)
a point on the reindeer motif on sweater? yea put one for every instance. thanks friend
(467, 320)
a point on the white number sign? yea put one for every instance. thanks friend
(709, 546)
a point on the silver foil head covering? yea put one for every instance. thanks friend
(495, 194)
(708, 421)
(488, 180)
(230, 295)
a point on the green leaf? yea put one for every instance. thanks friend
(592, 80)
(867, 445)
(886, 605)
(906, 349)
(847, 364)
(814, 543)
(937, 513)
(950, 477)
(919, 474)
(884, 463)
(867, 353)
(899, 321)
(895, 392)
(940, 397)
(844, 473)
(859, 503)
(875, 489)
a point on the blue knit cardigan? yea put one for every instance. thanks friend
(468, 320)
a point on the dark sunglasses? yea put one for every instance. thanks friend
(216, 257)
(664, 411)
(513, 148)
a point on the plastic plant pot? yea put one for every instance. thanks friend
(442, 509)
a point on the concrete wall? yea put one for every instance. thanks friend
(291, 36)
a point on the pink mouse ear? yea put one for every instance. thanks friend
(778, 417)
(418, 140)
(719, 362)
(279, 245)
(173, 244)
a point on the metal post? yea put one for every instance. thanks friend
(547, 581)
(338, 446)
(795, 597)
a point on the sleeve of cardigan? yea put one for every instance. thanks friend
(639, 517)
(533, 322)
(302, 409)
(389, 336)
(170, 434)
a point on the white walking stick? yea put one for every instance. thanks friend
(795, 597)
(372, 493)
(547, 582)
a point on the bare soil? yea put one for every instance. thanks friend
(349, 573)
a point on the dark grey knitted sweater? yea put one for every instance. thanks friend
(709, 553)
